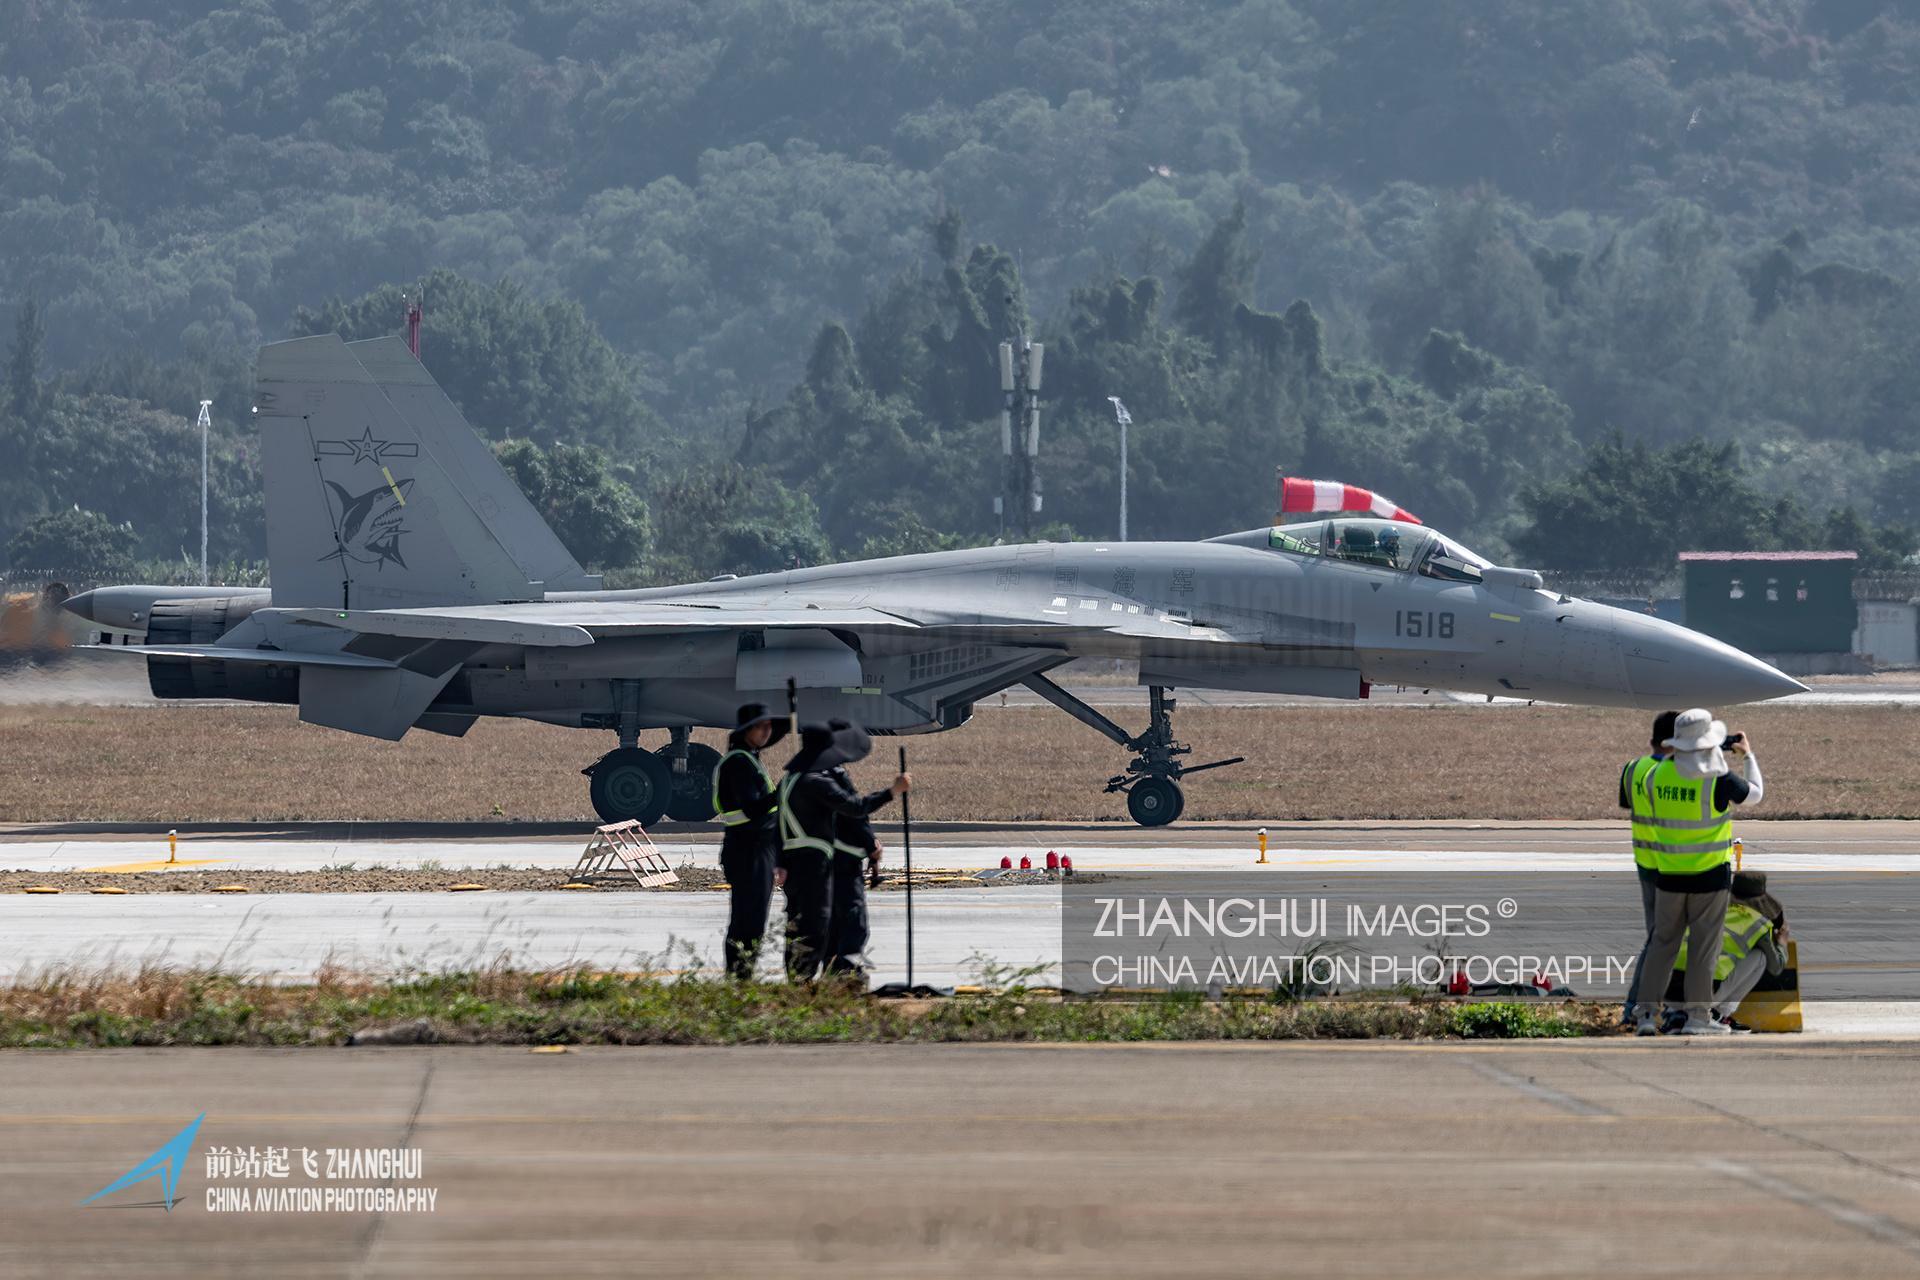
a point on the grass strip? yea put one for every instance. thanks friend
(508, 1007)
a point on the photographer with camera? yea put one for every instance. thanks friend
(1634, 799)
(1688, 828)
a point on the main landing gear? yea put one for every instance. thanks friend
(633, 784)
(1152, 779)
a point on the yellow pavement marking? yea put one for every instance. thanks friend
(127, 868)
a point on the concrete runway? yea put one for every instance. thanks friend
(1580, 1159)
(1572, 881)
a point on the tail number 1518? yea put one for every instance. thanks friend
(1416, 624)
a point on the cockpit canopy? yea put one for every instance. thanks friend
(1382, 544)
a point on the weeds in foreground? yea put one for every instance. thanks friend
(502, 1005)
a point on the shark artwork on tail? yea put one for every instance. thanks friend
(368, 527)
(414, 586)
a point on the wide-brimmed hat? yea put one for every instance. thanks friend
(824, 746)
(754, 713)
(1749, 884)
(1697, 730)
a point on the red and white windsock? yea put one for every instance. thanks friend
(1331, 495)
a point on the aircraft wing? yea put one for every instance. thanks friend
(572, 623)
(241, 653)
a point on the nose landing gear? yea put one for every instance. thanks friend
(1152, 779)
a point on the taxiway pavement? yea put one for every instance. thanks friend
(1576, 1159)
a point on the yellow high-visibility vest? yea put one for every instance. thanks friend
(1640, 805)
(1744, 929)
(735, 817)
(1686, 834)
(794, 836)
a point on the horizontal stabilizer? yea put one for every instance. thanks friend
(378, 704)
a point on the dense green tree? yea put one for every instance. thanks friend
(726, 518)
(1633, 507)
(24, 362)
(677, 201)
(588, 501)
(72, 542)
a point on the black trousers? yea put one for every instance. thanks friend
(748, 866)
(809, 891)
(847, 926)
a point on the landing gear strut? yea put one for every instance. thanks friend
(1151, 781)
(632, 784)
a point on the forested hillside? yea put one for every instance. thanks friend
(1497, 258)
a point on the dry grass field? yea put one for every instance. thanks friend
(176, 764)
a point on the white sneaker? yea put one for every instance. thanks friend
(1703, 1027)
(1645, 1024)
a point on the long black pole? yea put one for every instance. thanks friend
(906, 849)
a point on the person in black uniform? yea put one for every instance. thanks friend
(744, 800)
(826, 845)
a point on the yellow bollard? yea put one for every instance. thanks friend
(1739, 851)
(1263, 846)
(173, 846)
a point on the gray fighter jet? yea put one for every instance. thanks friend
(415, 587)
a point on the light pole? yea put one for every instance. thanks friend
(206, 422)
(1125, 419)
(1020, 365)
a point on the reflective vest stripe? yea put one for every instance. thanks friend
(1686, 835)
(1683, 824)
(792, 834)
(735, 817)
(1660, 846)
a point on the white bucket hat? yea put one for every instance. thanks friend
(1697, 730)
(1696, 744)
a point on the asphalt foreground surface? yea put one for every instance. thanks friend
(1572, 1159)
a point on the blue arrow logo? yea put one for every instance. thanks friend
(164, 1164)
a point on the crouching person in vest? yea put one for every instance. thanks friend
(1749, 946)
(744, 801)
(825, 845)
(1690, 796)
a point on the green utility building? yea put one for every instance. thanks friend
(1773, 601)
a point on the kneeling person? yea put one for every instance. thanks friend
(1749, 945)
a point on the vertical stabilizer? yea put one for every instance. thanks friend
(362, 511)
(470, 464)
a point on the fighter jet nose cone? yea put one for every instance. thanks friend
(1771, 682)
(80, 606)
(1670, 665)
